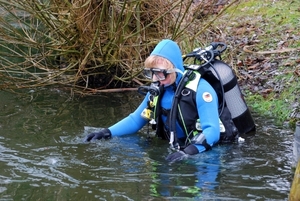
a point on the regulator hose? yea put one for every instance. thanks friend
(174, 109)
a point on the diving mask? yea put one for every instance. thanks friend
(161, 74)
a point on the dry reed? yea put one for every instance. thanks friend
(90, 45)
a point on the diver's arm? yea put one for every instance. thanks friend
(207, 106)
(132, 123)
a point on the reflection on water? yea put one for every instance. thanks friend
(43, 157)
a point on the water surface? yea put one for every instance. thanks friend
(43, 156)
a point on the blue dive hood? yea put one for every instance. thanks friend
(171, 51)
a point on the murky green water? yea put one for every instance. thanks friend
(43, 157)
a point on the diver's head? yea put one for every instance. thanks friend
(165, 63)
(160, 69)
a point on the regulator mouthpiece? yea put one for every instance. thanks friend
(153, 89)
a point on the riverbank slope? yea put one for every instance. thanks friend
(264, 42)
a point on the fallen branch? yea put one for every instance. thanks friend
(245, 49)
(98, 91)
(114, 90)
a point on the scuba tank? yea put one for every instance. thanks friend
(229, 92)
(234, 99)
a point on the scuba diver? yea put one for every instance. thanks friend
(182, 106)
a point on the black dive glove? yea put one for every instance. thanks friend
(104, 133)
(179, 155)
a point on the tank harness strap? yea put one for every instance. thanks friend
(229, 85)
(192, 84)
(174, 109)
(165, 112)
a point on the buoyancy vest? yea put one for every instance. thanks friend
(188, 118)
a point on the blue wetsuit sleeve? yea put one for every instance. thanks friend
(132, 123)
(207, 106)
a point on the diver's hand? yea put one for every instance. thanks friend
(179, 155)
(104, 133)
(176, 156)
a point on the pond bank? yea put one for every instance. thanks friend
(263, 37)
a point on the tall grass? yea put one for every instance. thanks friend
(90, 45)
